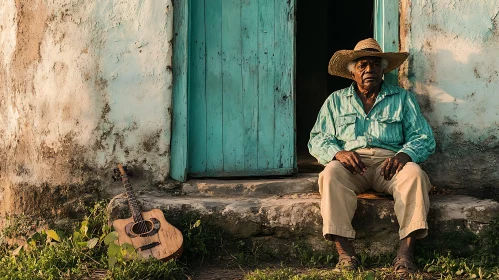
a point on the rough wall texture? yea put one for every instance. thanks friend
(453, 68)
(83, 84)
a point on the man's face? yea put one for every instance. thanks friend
(368, 72)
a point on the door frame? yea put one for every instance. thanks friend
(180, 112)
(386, 32)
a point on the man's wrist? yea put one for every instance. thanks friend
(409, 159)
(335, 153)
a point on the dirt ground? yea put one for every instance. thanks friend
(217, 273)
(212, 272)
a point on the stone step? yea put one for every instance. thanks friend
(300, 183)
(298, 216)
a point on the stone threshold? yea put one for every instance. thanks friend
(290, 208)
(299, 184)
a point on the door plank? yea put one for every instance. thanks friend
(233, 131)
(249, 33)
(214, 98)
(266, 84)
(284, 149)
(197, 97)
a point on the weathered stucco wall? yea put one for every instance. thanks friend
(454, 69)
(83, 84)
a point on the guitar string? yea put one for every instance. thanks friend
(142, 224)
(143, 228)
(131, 201)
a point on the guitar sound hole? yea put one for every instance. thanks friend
(142, 228)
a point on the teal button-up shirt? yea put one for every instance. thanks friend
(395, 123)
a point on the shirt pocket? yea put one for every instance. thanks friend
(345, 127)
(388, 129)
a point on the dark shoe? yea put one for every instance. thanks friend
(404, 265)
(347, 263)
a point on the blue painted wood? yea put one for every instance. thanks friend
(284, 148)
(179, 152)
(214, 98)
(248, 88)
(266, 71)
(386, 30)
(233, 125)
(197, 96)
(249, 33)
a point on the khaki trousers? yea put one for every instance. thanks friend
(339, 188)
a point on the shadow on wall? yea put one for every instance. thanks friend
(458, 95)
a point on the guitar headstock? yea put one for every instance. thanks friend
(121, 171)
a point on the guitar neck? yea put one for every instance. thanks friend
(132, 201)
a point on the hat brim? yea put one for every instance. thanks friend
(338, 64)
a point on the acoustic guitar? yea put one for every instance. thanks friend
(148, 232)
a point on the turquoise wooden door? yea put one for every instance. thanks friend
(241, 118)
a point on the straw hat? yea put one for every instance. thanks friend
(369, 47)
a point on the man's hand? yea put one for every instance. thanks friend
(351, 161)
(392, 165)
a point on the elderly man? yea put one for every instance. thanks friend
(371, 135)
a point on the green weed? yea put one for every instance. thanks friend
(55, 254)
(312, 258)
(320, 274)
(150, 269)
(18, 225)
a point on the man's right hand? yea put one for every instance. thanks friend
(351, 161)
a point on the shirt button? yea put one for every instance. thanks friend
(367, 118)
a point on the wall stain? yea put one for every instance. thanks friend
(31, 24)
(475, 71)
(151, 143)
(449, 121)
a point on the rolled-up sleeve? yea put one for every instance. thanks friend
(419, 140)
(323, 144)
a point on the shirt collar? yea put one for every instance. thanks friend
(386, 89)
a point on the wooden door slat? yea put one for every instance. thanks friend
(284, 149)
(266, 84)
(233, 132)
(197, 97)
(214, 98)
(249, 33)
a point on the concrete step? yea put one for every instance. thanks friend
(297, 216)
(298, 184)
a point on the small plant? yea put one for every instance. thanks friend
(312, 258)
(54, 254)
(18, 225)
(150, 269)
(271, 274)
(458, 267)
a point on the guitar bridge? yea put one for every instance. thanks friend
(148, 246)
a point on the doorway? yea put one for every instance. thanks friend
(323, 28)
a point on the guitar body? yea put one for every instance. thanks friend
(153, 237)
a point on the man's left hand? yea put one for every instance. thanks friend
(392, 165)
